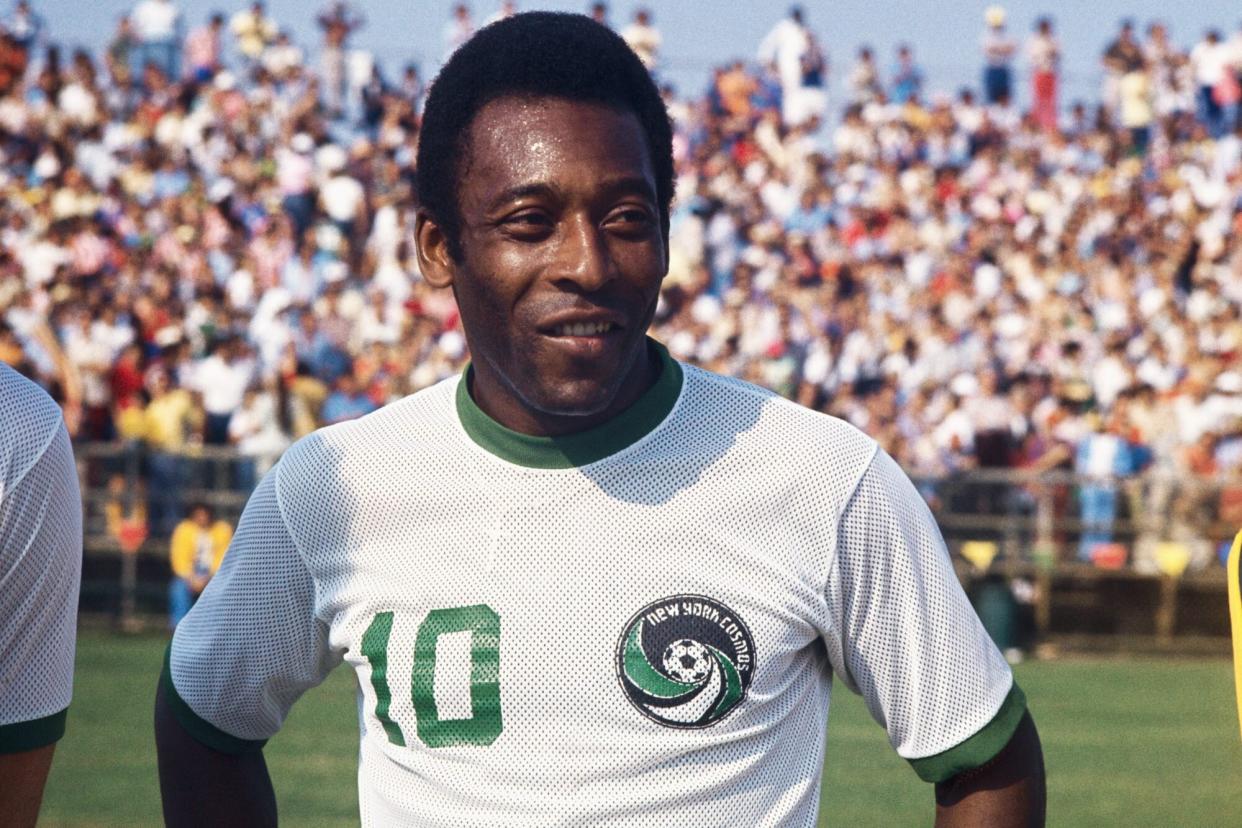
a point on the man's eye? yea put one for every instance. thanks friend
(527, 221)
(631, 217)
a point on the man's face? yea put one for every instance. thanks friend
(561, 255)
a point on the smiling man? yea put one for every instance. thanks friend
(582, 584)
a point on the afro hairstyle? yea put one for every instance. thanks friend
(533, 55)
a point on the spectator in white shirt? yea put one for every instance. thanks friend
(784, 48)
(255, 430)
(644, 38)
(1211, 62)
(458, 30)
(157, 26)
(998, 52)
(222, 379)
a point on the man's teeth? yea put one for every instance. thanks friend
(583, 328)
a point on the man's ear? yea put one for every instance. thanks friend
(432, 248)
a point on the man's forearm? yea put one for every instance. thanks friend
(202, 786)
(21, 791)
(1007, 792)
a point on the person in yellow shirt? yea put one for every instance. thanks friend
(198, 546)
(172, 422)
(172, 417)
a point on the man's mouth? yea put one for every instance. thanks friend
(582, 329)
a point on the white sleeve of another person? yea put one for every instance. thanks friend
(902, 631)
(40, 571)
(252, 644)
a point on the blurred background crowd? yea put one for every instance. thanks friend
(205, 240)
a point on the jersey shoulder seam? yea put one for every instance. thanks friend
(47, 444)
(297, 544)
(844, 507)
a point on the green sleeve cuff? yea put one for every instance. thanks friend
(23, 736)
(198, 727)
(978, 749)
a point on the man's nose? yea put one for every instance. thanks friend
(583, 259)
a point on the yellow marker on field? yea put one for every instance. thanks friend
(1235, 613)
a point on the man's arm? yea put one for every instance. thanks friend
(1007, 791)
(236, 665)
(203, 786)
(40, 569)
(911, 643)
(24, 775)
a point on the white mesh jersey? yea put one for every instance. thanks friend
(40, 565)
(636, 626)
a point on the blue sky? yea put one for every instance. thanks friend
(700, 33)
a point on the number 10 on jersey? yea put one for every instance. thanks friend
(485, 723)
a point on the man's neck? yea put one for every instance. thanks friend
(507, 408)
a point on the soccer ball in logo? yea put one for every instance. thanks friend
(687, 661)
(685, 670)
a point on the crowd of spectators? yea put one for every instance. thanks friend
(201, 251)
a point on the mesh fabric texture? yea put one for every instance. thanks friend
(789, 519)
(40, 553)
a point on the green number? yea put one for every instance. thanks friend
(485, 722)
(375, 648)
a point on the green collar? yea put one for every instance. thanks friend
(583, 447)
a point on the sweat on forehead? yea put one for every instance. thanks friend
(517, 126)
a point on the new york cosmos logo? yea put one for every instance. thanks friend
(685, 661)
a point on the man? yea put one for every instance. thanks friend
(24, 28)
(644, 38)
(1210, 63)
(784, 48)
(195, 552)
(583, 584)
(1121, 57)
(907, 76)
(222, 378)
(40, 568)
(171, 419)
(348, 401)
(157, 28)
(1044, 52)
(458, 30)
(338, 21)
(254, 31)
(998, 53)
(599, 13)
(24, 25)
(202, 49)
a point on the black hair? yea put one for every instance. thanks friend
(535, 54)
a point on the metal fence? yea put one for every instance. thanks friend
(999, 520)
(1147, 522)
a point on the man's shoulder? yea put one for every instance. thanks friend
(766, 422)
(399, 431)
(30, 421)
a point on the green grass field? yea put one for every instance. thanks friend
(1126, 743)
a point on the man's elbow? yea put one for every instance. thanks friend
(1007, 791)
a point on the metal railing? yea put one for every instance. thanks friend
(1059, 517)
